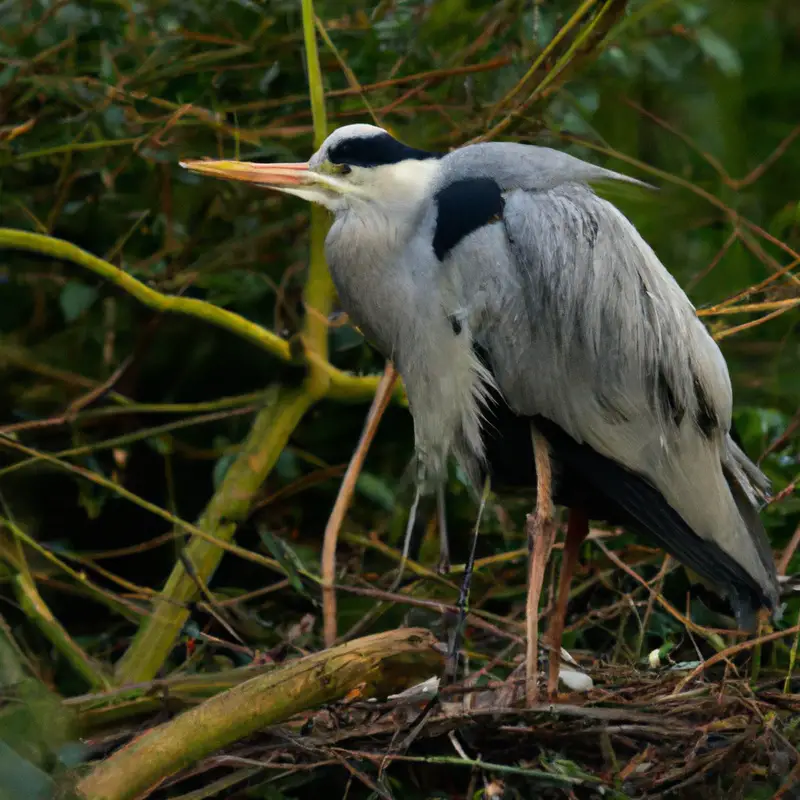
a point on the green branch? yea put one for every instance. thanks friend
(340, 385)
(376, 665)
(188, 306)
(228, 507)
(319, 291)
(36, 610)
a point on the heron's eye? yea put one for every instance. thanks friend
(345, 169)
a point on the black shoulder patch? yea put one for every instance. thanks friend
(464, 206)
(706, 418)
(374, 151)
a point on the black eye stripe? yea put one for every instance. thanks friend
(374, 151)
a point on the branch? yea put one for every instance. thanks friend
(36, 610)
(340, 385)
(319, 291)
(230, 504)
(99, 710)
(373, 665)
(188, 306)
(571, 52)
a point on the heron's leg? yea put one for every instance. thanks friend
(540, 529)
(463, 595)
(444, 545)
(412, 518)
(577, 531)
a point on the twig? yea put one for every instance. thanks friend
(101, 389)
(547, 51)
(381, 400)
(126, 439)
(792, 779)
(725, 655)
(787, 684)
(352, 80)
(590, 39)
(540, 776)
(212, 535)
(711, 635)
(786, 556)
(754, 322)
(474, 618)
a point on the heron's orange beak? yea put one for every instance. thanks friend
(277, 176)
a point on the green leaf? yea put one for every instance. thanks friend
(719, 51)
(376, 489)
(221, 467)
(21, 780)
(287, 558)
(287, 465)
(7, 75)
(76, 298)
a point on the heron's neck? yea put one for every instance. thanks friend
(366, 251)
(370, 248)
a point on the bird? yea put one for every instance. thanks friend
(542, 343)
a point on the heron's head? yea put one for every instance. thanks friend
(356, 164)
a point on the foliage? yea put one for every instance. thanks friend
(166, 417)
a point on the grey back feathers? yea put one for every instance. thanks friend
(521, 166)
(505, 248)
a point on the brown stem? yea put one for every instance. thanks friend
(382, 397)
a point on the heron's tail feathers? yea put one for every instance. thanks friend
(747, 474)
(749, 488)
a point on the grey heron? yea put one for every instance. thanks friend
(534, 327)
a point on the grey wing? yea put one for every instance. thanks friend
(585, 327)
